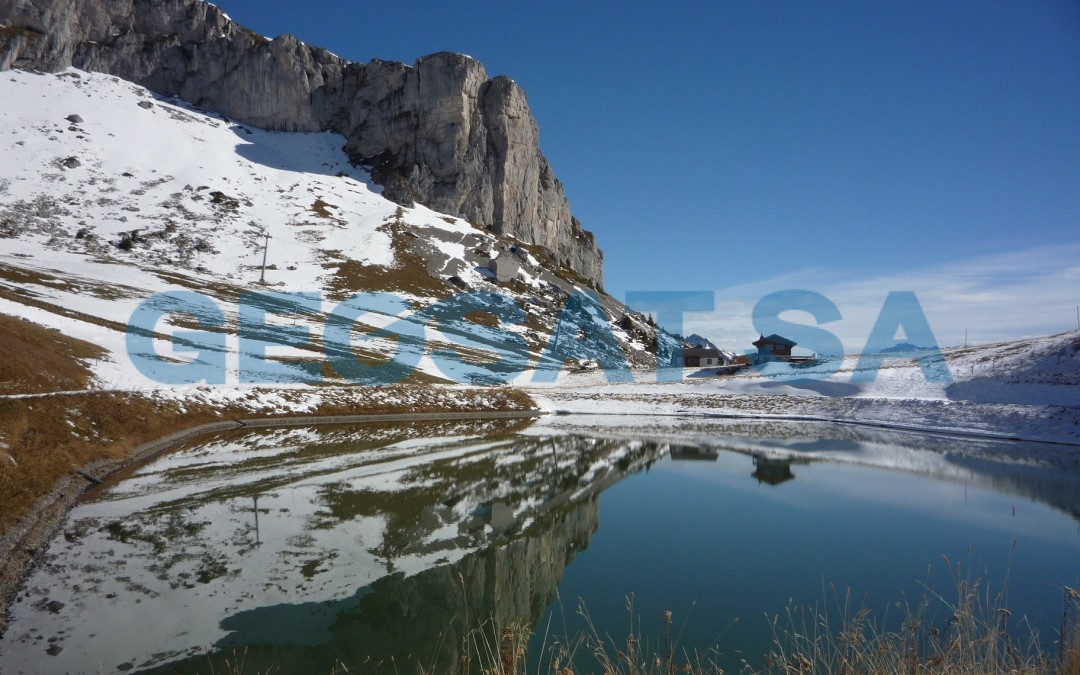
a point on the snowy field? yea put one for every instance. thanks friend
(1028, 389)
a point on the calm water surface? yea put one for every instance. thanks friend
(381, 546)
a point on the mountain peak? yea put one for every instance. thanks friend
(695, 340)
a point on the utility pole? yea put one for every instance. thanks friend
(1078, 317)
(266, 247)
(965, 336)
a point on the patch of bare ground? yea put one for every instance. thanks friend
(39, 360)
(407, 275)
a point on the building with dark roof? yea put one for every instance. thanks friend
(773, 348)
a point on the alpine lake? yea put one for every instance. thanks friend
(388, 548)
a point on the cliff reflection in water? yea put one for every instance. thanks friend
(404, 621)
(305, 547)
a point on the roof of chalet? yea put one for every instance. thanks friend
(774, 339)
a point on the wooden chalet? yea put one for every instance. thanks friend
(702, 357)
(774, 348)
(778, 348)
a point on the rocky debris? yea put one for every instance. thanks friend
(520, 253)
(74, 119)
(440, 132)
(224, 201)
(129, 239)
(44, 214)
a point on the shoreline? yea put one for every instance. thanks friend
(875, 424)
(22, 547)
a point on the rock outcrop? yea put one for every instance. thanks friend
(440, 132)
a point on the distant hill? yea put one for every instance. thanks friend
(903, 347)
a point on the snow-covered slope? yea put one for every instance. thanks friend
(109, 194)
(696, 340)
(201, 192)
(1028, 389)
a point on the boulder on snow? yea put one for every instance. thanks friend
(504, 267)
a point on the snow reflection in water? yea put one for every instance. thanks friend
(313, 546)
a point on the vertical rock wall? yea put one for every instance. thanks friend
(440, 132)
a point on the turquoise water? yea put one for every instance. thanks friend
(382, 547)
(725, 553)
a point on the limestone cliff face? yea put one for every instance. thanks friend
(440, 132)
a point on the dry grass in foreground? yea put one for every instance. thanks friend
(977, 638)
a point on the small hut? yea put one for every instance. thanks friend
(702, 357)
(773, 348)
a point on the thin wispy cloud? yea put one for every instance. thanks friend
(1022, 293)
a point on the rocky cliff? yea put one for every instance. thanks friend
(440, 132)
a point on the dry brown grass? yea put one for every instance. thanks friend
(974, 635)
(1069, 646)
(49, 437)
(322, 209)
(24, 279)
(976, 645)
(36, 359)
(24, 297)
(408, 274)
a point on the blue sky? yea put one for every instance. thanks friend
(746, 147)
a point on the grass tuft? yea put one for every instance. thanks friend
(972, 634)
